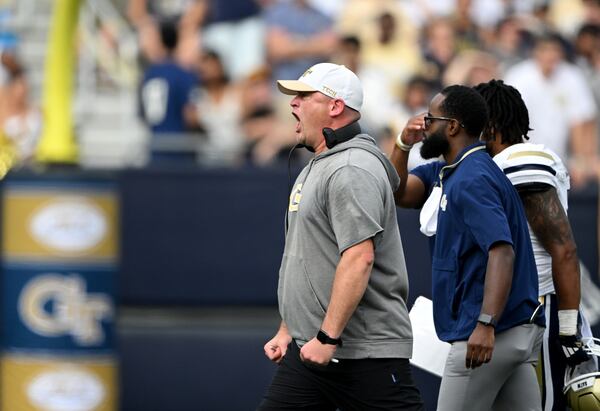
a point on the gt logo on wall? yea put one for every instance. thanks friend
(54, 305)
(66, 226)
(69, 225)
(59, 259)
(48, 383)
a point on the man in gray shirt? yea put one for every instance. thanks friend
(345, 336)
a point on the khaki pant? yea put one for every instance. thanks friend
(507, 383)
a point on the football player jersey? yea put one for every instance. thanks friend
(528, 163)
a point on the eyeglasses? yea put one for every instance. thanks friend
(430, 119)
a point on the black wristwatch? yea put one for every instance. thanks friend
(325, 339)
(487, 319)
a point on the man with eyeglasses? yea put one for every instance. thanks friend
(483, 271)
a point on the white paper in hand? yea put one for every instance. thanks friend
(429, 353)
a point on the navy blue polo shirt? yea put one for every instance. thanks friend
(479, 208)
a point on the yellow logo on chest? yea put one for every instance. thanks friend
(295, 198)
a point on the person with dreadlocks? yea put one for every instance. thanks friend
(542, 182)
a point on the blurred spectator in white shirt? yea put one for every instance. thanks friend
(20, 120)
(561, 106)
(235, 30)
(218, 112)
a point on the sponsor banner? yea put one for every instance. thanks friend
(53, 383)
(58, 309)
(62, 223)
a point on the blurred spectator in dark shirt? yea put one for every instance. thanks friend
(165, 91)
(166, 88)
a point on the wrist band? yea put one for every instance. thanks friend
(400, 144)
(567, 322)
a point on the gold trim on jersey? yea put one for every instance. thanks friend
(530, 153)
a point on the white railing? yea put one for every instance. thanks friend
(107, 55)
(108, 38)
(107, 81)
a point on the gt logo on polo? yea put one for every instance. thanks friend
(55, 305)
(295, 197)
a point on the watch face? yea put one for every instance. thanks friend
(487, 319)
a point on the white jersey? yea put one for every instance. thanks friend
(533, 163)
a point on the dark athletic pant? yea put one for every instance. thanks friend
(552, 364)
(365, 384)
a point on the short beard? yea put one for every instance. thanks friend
(435, 145)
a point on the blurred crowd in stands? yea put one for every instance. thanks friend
(20, 120)
(207, 90)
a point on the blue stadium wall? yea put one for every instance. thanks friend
(197, 279)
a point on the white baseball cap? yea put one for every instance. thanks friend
(333, 80)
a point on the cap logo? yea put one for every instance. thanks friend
(329, 91)
(307, 72)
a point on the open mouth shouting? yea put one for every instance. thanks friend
(298, 125)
